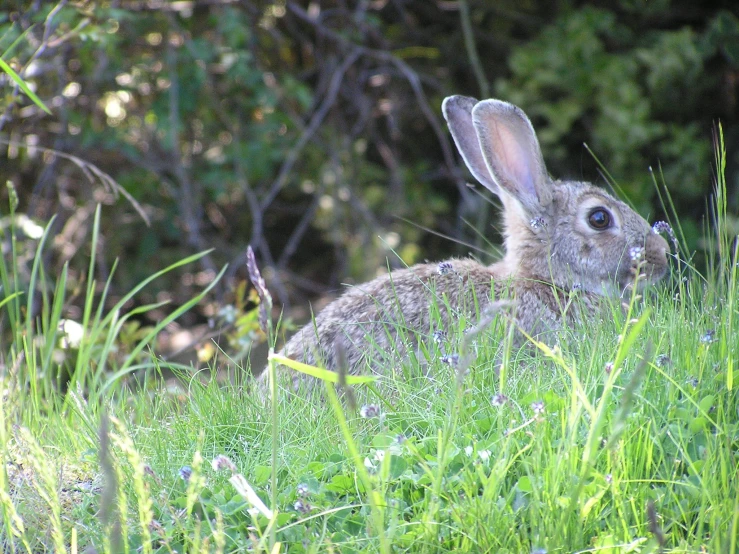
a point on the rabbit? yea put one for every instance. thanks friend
(561, 237)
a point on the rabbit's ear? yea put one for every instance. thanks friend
(457, 111)
(511, 152)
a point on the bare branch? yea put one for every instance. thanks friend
(315, 123)
(92, 173)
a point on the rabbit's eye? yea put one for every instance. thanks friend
(599, 219)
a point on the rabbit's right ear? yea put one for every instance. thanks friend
(512, 154)
(457, 111)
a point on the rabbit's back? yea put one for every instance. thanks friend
(376, 322)
(368, 319)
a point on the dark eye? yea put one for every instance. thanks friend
(599, 219)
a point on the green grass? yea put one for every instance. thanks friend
(623, 437)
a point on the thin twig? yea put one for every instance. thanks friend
(188, 200)
(410, 76)
(315, 123)
(92, 173)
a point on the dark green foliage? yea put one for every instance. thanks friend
(313, 131)
(638, 95)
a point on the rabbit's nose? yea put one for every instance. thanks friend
(656, 249)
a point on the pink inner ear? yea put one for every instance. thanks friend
(514, 160)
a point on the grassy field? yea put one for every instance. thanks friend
(621, 437)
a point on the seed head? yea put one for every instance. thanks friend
(664, 227)
(445, 268)
(661, 227)
(537, 407)
(265, 299)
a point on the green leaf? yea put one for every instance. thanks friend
(590, 503)
(698, 424)
(398, 465)
(706, 403)
(320, 373)
(261, 475)
(524, 484)
(343, 484)
(23, 86)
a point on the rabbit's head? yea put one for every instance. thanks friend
(569, 233)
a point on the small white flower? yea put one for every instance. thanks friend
(450, 359)
(498, 400)
(468, 450)
(227, 313)
(537, 223)
(636, 253)
(369, 410)
(484, 455)
(222, 462)
(370, 465)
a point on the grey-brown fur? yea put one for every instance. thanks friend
(552, 249)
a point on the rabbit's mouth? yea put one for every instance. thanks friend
(646, 264)
(641, 275)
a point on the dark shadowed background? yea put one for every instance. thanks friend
(312, 130)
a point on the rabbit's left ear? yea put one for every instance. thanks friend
(512, 154)
(457, 111)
